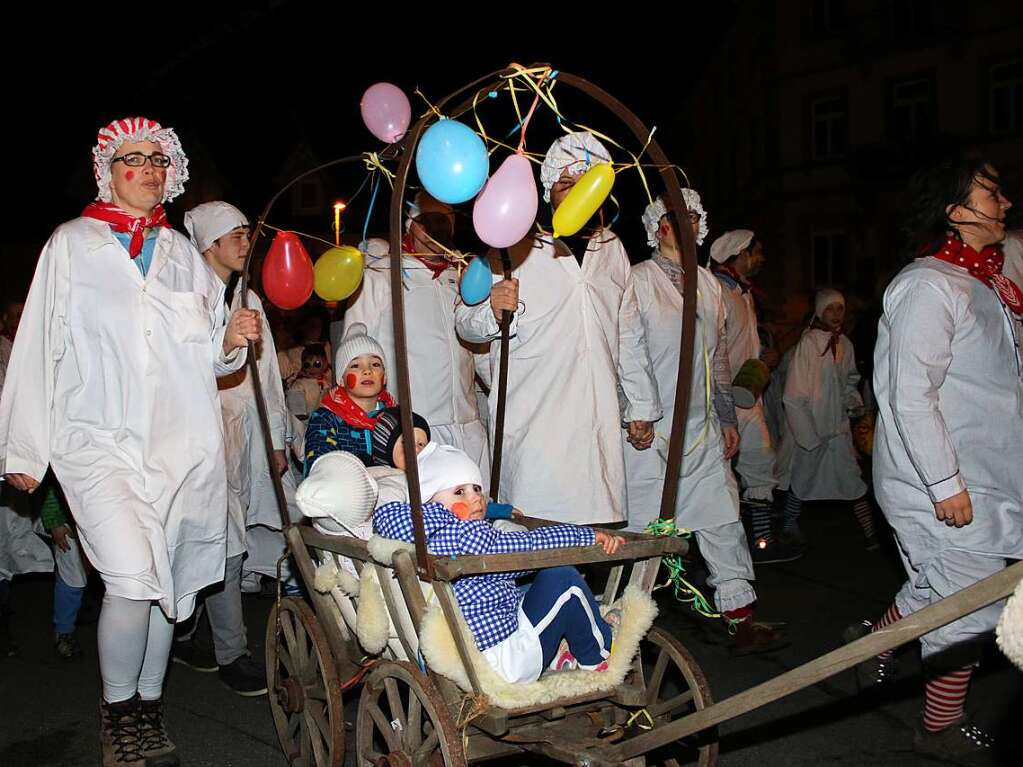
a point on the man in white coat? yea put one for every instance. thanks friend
(708, 498)
(950, 429)
(576, 338)
(221, 233)
(737, 256)
(820, 396)
(112, 381)
(441, 368)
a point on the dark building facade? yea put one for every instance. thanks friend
(807, 122)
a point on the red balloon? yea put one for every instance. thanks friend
(288, 276)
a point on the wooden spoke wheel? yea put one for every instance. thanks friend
(304, 689)
(674, 686)
(404, 722)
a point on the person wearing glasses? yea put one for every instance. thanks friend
(112, 382)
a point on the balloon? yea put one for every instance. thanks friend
(386, 111)
(476, 282)
(452, 161)
(338, 273)
(505, 210)
(583, 200)
(287, 272)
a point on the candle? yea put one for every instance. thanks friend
(338, 207)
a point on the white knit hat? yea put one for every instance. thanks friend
(442, 467)
(657, 210)
(355, 343)
(134, 130)
(574, 152)
(729, 244)
(339, 495)
(210, 221)
(825, 297)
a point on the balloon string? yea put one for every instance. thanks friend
(300, 234)
(372, 203)
(374, 164)
(429, 104)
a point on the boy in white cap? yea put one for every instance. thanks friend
(575, 345)
(221, 233)
(519, 635)
(820, 398)
(736, 257)
(348, 412)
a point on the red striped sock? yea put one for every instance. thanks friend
(891, 615)
(945, 699)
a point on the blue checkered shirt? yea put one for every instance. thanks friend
(490, 603)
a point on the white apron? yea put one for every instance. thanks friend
(576, 339)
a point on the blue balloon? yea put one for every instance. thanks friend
(452, 161)
(476, 282)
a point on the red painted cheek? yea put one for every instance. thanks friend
(128, 176)
(351, 380)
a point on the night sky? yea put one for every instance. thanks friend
(244, 85)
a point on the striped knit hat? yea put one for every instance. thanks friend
(387, 432)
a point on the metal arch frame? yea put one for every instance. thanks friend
(684, 235)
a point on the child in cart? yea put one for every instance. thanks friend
(348, 413)
(520, 635)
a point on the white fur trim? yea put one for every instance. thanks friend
(438, 648)
(372, 624)
(1009, 631)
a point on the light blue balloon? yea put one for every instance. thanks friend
(452, 161)
(476, 282)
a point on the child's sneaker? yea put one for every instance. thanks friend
(564, 660)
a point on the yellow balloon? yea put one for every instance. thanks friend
(583, 200)
(338, 273)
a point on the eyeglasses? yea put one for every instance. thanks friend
(307, 364)
(137, 159)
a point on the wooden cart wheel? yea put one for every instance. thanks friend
(305, 692)
(675, 686)
(404, 722)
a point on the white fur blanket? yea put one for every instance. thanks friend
(439, 650)
(1010, 628)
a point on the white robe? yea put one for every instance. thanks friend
(755, 463)
(820, 393)
(113, 382)
(576, 340)
(441, 369)
(707, 493)
(251, 499)
(21, 549)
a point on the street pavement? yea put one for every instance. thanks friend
(49, 709)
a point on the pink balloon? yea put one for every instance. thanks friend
(386, 111)
(505, 210)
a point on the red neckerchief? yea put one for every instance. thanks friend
(836, 336)
(122, 221)
(340, 404)
(986, 266)
(436, 265)
(745, 283)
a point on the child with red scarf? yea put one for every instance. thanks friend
(348, 412)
